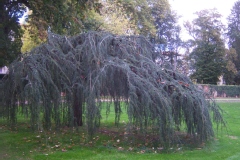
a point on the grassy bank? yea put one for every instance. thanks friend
(22, 143)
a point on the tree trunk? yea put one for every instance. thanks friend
(77, 109)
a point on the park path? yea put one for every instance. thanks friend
(220, 99)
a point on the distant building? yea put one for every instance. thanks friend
(3, 71)
(221, 81)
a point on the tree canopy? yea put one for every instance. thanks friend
(63, 17)
(93, 66)
(151, 18)
(10, 31)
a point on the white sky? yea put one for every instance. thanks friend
(187, 8)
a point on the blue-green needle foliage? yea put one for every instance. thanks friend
(94, 67)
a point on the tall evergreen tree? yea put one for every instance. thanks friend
(166, 24)
(234, 37)
(208, 46)
(167, 38)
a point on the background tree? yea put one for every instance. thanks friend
(112, 18)
(30, 41)
(167, 39)
(184, 64)
(138, 12)
(166, 24)
(208, 46)
(71, 17)
(234, 38)
(144, 14)
(95, 65)
(63, 17)
(10, 30)
(230, 71)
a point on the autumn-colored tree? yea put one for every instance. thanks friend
(230, 71)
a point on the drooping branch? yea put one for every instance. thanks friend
(94, 65)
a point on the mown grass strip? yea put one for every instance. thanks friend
(22, 143)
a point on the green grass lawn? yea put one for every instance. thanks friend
(70, 144)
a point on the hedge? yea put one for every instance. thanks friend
(224, 90)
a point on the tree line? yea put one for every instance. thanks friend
(206, 56)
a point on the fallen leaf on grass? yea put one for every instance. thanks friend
(120, 148)
(142, 151)
(233, 137)
(160, 148)
(130, 148)
(64, 150)
(57, 146)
